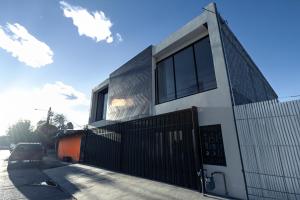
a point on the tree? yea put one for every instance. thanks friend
(70, 125)
(59, 121)
(22, 131)
(39, 123)
(48, 129)
(46, 133)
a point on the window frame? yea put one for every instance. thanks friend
(196, 66)
(103, 91)
(195, 69)
(157, 99)
(219, 160)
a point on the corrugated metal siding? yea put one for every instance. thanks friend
(269, 135)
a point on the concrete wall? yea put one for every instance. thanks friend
(214, 106)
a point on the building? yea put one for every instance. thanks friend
(68, 144)
(201, 65)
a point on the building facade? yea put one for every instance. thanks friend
(201, 65)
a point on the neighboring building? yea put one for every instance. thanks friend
(202, 65)
(69, 144)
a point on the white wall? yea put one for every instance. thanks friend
(214, 106)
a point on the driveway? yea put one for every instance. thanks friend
(26, 183)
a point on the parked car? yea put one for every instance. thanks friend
(30, 152)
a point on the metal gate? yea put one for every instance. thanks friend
(163, 147)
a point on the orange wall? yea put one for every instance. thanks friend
(70, 146)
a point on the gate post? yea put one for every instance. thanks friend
(197, 146)
(82, 146)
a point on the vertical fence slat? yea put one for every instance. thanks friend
(271, 130)
(163, 147)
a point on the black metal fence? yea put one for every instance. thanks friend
(163, 148)
(269, 135)
(103, 149)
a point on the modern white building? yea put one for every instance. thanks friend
(200, 65)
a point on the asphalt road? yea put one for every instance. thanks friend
(27, 182)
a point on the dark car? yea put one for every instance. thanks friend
(27, 152)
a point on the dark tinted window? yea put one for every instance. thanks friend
(165, 80)
(185, 75)
(101, 105)
(29, 147)
(187, 72)
(205, 66)
(213, 152)
(35, 147)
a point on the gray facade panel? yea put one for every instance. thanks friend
(247, 82)
(130, 93)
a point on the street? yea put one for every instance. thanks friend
(26, 183)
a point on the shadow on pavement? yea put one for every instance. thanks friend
(84, 179)
(27, 181)
(86, 182)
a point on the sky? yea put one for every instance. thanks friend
(52, 53)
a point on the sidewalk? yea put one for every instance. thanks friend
(86, 182)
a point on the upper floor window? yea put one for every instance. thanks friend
(165, 80)
(101, 106)
(205, 65)
(185, 76)
(186, 72)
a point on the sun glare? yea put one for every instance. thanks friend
(32, 104)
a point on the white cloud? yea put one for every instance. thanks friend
(91, 24)
(15, 39)
(16, 104)
(119, 37)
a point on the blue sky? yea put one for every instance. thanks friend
(64, 61)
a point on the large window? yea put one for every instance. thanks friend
(101, 104)
(186, 72)
(205, 65)
(185, 76)
(165, 80)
